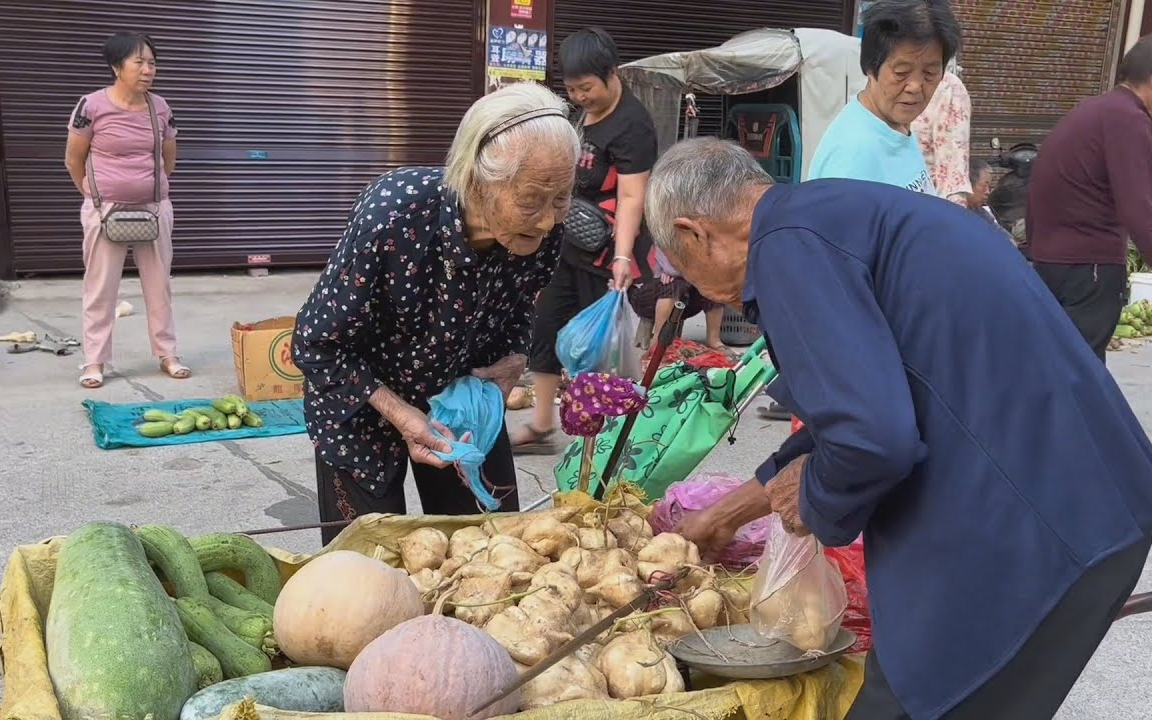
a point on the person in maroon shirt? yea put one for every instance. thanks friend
(1091, 190)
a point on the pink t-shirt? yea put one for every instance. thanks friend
(122, 146)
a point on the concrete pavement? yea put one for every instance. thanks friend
(55, 478)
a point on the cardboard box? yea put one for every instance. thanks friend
(262, 352)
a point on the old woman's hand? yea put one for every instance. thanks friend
(505, 373)
(783, 492)
(415, 427)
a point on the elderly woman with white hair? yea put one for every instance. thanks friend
(435, 278)
(1007, 515)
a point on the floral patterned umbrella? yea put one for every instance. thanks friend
(588, 401)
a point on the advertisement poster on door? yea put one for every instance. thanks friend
(518, 45)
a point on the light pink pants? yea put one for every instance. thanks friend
(103, 268)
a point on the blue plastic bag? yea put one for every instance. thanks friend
(601, 338)
(470, 404)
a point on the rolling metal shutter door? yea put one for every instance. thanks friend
(1026, 64)
(285, 112)
(642, 28)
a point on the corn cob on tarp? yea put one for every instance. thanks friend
(27, 588)
(114, 425)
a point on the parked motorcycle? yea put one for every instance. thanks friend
(1010, 196)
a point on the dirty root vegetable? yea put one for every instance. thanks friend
(428, 582)
(432, 665)
(618, 588)
(483, 591)
(512, 554)
(424, 548)
(705, 607)
(592, 565)
(736, 602)
(338, 603)
(634, 666)
(631, 530)
(467, 541)
(527, 641)
(560, 579)
(666, 553)
(516, 524)
(549, 537)
(596, 538)
(570, 679)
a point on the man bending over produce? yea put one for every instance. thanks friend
(1007, 516)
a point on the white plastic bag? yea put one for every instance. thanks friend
(798, 595)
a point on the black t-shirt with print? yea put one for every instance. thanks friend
(622, 143)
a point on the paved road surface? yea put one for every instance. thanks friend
(55, 479)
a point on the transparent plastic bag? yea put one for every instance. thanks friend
(798, 595)
(601, 338)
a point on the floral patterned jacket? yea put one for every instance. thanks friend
(943, 130)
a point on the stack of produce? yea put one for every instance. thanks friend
(1135, 321)
(149, 603)
(464, 616)
(532, 583)
(227, 413)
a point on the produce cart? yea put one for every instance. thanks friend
(396, 542)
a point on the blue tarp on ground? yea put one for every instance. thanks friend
(114, 424)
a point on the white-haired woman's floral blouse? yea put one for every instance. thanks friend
(406, 303)
(944, 130)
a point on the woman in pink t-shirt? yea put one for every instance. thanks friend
(111, 137)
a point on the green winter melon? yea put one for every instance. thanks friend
(116, 648)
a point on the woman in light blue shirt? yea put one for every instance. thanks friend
(905, 47)
(904, 50)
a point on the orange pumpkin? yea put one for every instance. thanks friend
(338, 603)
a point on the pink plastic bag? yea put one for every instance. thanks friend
(798, 595)
(701, 491)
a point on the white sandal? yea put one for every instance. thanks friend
(92, 380)
(172, 367)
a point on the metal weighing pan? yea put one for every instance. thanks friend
(747, 656)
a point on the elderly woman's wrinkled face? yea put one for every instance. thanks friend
(981, 189)
(525, 209)
(138, 70)
(906, 82)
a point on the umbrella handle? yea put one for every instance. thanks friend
(666, 334)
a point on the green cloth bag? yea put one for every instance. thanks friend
(689, 412)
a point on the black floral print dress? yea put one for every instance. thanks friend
(405, 303)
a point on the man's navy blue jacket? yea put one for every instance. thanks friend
(956, 416)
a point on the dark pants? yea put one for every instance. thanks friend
(1092, 295)
(1034, 683)
(442, 490)
(572, 289)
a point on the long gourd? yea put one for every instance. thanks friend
(170, 552)
(208, 670)
(230, 551)
(108, 619)
(251, 627)
(225, 588)
(237, 658)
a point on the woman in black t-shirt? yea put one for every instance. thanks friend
(619, 150)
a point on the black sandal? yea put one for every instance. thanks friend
(536, 443)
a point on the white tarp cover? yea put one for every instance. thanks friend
(829, 77)
(828, 63)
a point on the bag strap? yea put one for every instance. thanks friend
(156, 158)
(156, 148)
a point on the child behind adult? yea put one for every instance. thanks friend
(673, 287)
